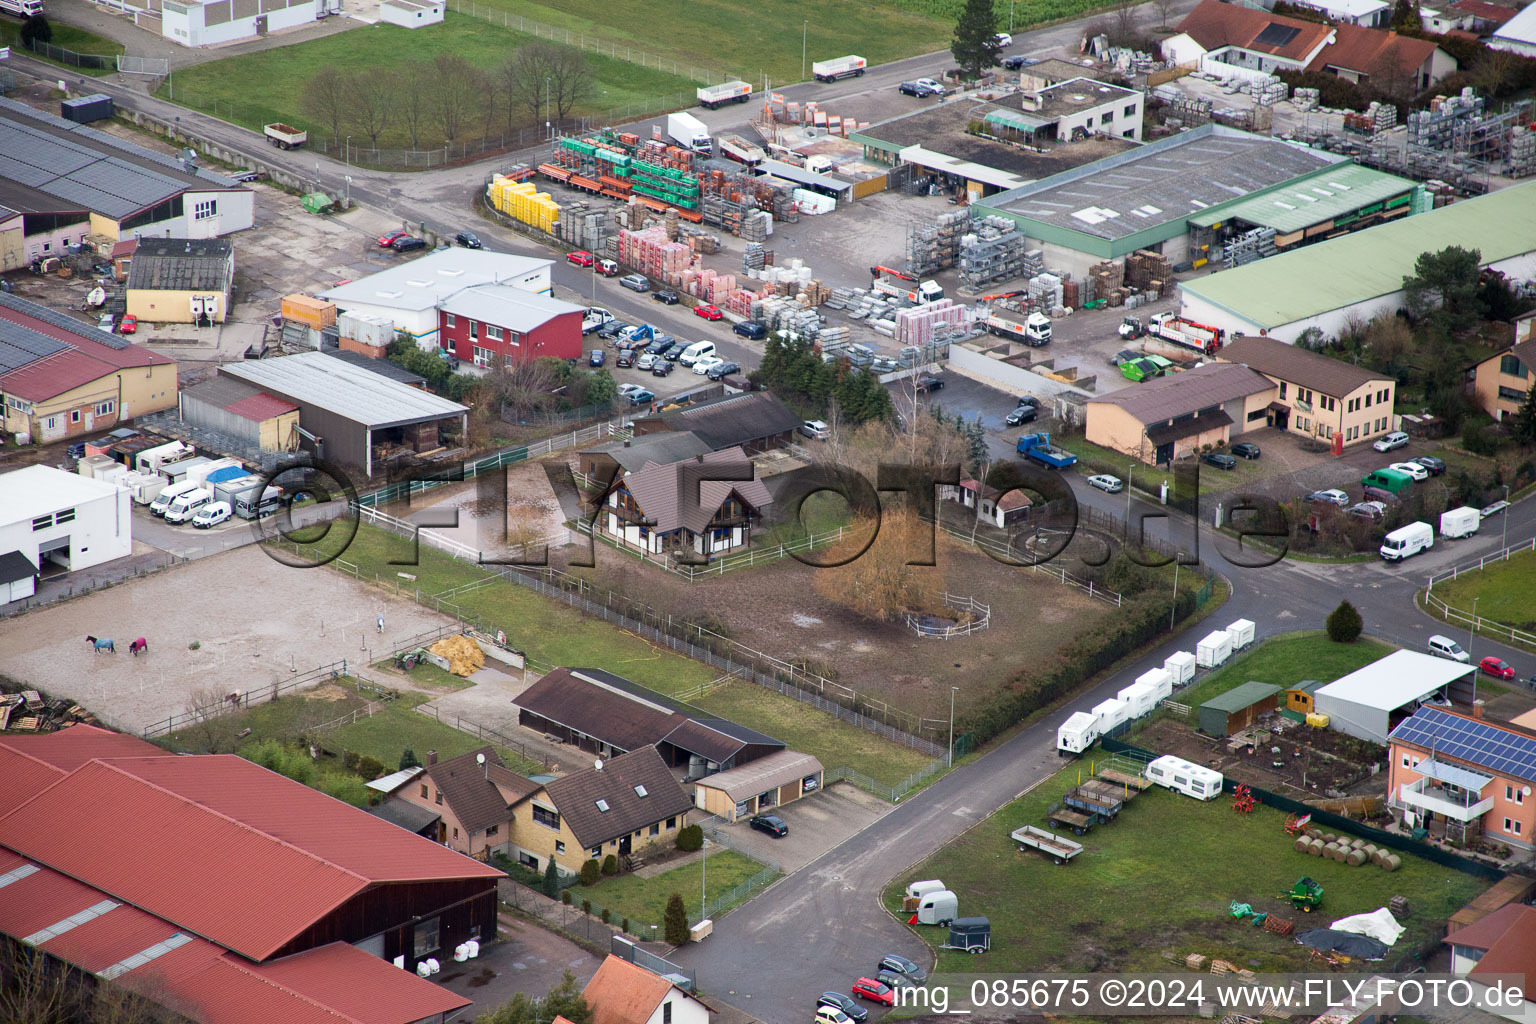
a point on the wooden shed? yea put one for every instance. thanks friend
(1298, 699)
(1237, 709)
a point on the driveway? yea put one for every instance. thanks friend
(527, 959)
(817, 823)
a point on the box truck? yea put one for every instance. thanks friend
(841, 67)
(1033, 329)
(1407, 541)
(712, 96)
(689, 132)
(1460, 522)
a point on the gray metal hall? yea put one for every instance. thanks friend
(352, 415)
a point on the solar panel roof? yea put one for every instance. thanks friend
(20, 347)
(24, 173)
(1276, 34)
(1481, 743)
(61, 321)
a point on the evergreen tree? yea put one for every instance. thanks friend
(675, 921)
(975, 45)
(1524, 428)
(1344, 624)
(551, 879)
(976, 445)
(564, 1000)
(408, 759)
(36, 29)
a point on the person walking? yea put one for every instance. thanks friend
(381, 622)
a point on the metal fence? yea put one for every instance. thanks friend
(156, 66)
(981, 618)
(890, 793)
(1478, 623)
(586, 41)
(69, 58)
(89, 581)
(485, 733)
(240, 699)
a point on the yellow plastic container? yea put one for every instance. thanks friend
(1317, 721)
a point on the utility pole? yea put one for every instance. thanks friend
(1504, 544)
(950, 760)
(805, 27)
(1175, 609)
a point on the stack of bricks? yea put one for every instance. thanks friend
(1148, 270)
(650, 252)
(916, 326)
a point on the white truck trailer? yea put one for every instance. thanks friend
(842, 67)
(1033, 329)
(285, 136)
(742, 151)
(712, 96)
(689, 132)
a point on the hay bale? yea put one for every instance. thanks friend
(1355, 858)
(1302, 844)
(1392, 862)
(1314, 833)
(465, 657)
(1316, 849)
(1339, 853)
(1370, 851)
(1329, 837)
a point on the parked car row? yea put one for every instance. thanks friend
(891, 973)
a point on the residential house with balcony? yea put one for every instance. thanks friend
(705, 505)
(1317, 396)
(1502, 383)
(1464, 777)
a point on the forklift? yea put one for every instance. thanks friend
(1132, 327)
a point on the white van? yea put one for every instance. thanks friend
(169, 494)
(1406, 541)
(698, 350)
(1445, 647)
(1188, 778)
(1460, 522)
(186, 506)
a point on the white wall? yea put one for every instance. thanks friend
(685, 1010)
(101, 531)
(236, 211)
(1353, 719)
(414, 16)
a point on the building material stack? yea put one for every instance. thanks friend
(1149, 271)
(522, 201)
(994, 251)
(916, 326)
(935, 245)
(651, 253)
(1306, 99)
(755, 258)
(1522, 152)
(1187, 112)
(1248, 247)
(1046, 292)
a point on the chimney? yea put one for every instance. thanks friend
(698, 458)
(1477, 709)
(431, 757)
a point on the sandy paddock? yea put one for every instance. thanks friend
(257, 622)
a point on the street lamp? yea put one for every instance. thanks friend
(349, 191)
(950, 760)
(1130, 475)
(1504, 544)
(704, 882)
(549, 133)
(1472, 629)
(805, 27)
(349, 152)
(1175, 609)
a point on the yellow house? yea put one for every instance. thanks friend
(618, 806)
(1501, 383)
(76, 383)
(237, 409)
(1160, 420)
(181, 280)
(1316, 396)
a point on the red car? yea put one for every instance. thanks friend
(385, 241)
(708, 312)
(580, 257)
(128, 324)
(1496, 667)
(874, 991)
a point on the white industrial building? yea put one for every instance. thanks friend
(1518, 34)
(210, 22)
(72, 521)
(1365, 13)
(410, 293)
(1369, 702)
(1352, 278)
(411, 13)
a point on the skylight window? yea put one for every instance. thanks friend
(640, 791)
(602, 805)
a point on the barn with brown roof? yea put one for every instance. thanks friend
(701, 506)
(225, 891)
(1160, 420)
(472, 796)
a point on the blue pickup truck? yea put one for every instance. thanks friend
(1038, 448)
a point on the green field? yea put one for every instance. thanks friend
(68, 37)
(644, 900)
(1505, 591)
(751, 41)
(258, 88)
(1159, 878)
(1285, 661)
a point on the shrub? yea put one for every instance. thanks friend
(610, 865)
(408, 759)
(690, 838)
(1344, 624)
(591, 871)
(565, 897)
(624, 925)
(605, 915)
(347, 788)
(349, 760)
(195, 645)
(369, 768)
(586, 906)
(675, 921)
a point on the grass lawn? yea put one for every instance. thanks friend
(1505, 591)
(1287, 660)
(285, 718)
(68, 37)
(258, 88)
(834, 743)
(1097, 459)
(425, 676)
(1124, 900)
(644, 900)
(386, 736)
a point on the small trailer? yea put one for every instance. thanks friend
(712, 96)
(1096, 801)
(285, 136)
(1053, 846)
(971, 934)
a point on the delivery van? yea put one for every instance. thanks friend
(186, 506)
(1407, 541)
(169, 494)
(698, 350)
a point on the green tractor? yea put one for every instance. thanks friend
(1306, 895)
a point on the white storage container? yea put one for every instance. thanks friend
(149, 488)
(1460, 522)
(116, 474)
(91, 464)
(1215, 649)
(1142, 698)
(1161, 683)
(1111, 715)
(1077, 734)
(200, 474)
(151, 459)
(1181, 666)
(1186, 777)
(1241, 633)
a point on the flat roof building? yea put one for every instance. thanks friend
(63, 519)
(1147, 197)
(1369, 702)
(54, 171)
(352, 415)
(1360, 275)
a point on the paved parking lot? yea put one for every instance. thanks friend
(817, 823)
(527, 959)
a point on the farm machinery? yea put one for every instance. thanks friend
(1243, 800)
(1306, 895)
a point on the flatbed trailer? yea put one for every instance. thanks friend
(1053, 846)
(1062, 816)
(1097, 799)
(1138, 783)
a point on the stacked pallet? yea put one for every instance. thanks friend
(1145, 269)
(753, 259)
(756, 225)
(714, 288)
(653, 254)
(916, 326)
(1107, 276)
(1045, 291)
(1306, 99)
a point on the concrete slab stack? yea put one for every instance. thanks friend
(915, 326)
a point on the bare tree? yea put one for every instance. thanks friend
(525, 80)
(33, 991)
(1164, 9)
(520, 386)
(372, 104)
(327, 98)
(1392, 75)
(879, 584)
(413, 98)
(1493, 70)
(457, 86)
(570, 79)
(1125, 23)
(212, 723)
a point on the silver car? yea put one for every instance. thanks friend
(1106, 483)
(635, 282)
